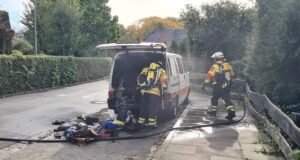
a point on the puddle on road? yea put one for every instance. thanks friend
(98, 102)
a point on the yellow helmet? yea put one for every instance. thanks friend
(153, 65)
(145, 71)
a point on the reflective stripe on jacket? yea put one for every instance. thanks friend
(216, 69)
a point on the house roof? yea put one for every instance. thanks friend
(166, 36)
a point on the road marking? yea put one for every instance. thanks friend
(61, 95)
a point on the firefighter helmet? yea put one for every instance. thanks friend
(218, 55)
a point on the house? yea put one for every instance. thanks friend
(166, 36)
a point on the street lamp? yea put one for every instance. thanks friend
(35, 29)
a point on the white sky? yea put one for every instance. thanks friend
(128, 11)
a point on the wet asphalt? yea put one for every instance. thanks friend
(30, 115)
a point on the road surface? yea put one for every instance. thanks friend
(30, 115)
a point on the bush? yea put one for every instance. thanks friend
(26, 73)
(16, 53)
(274, 62)
(295, 155)
(22, 45)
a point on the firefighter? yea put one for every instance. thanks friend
(152, 82)
(220, 76)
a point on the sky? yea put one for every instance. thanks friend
(15, 8)
(128, 11)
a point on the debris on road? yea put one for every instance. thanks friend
(86, 129)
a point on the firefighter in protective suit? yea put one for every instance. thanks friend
(152, 81)
(220, 76)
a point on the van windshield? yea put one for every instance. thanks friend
(127, 66)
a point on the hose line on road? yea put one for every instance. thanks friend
(229, 122)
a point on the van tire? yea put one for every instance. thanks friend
(173, 109)
(162, 114)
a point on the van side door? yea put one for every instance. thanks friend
(183, 80)
(174, 82)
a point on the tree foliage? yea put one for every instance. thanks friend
(22, 45)
(274, 64)
(220, 27)
(145, 26)
(70, 27)
(26, 73)
(179, 47)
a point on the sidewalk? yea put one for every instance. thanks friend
(234, 142)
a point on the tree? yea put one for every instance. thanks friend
(220, 27)
(98, 26)
(275, 66)
(43, 11)
(6, 33)
(71, 27)
(180, 47)
(146, 25)
(64, 37)
(127, 36)
(22, 45)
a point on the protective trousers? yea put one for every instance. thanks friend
(149, 108)
(224, 93)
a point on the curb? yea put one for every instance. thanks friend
(168, 139)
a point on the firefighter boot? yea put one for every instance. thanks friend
(212, 111)
(152, 123)
(231, 115)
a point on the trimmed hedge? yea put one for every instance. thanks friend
(27, 73)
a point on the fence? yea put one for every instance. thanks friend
(283, 121)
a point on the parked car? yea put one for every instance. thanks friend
(128, 63)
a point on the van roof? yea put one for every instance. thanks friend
(139, 47)
(133, 46)
(168, 54)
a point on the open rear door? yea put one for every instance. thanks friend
(137, 46)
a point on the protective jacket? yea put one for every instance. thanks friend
(142, 79)
(153, 79)
(220, 73)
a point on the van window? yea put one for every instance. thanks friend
(180, 67)
(173, 66)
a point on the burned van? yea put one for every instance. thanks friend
(128, 63)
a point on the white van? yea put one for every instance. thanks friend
(128, 63)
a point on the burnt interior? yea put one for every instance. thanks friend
(128, 65)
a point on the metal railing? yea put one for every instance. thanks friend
(283, 121)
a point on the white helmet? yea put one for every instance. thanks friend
(218, 55)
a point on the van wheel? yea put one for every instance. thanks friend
(186, 100)
(173, 109)
(115, 111)
(162, 115)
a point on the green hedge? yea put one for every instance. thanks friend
(27, 73)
